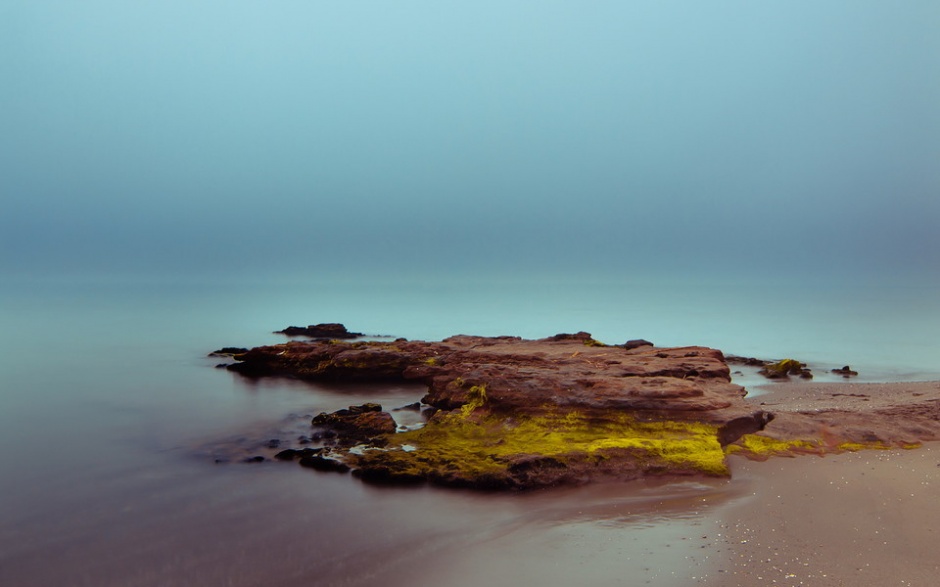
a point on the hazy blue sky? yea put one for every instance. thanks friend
(303, 136)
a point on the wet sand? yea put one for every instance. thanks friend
(869, 518)
(800, 396)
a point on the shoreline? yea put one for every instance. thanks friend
(862, 519)
(866, 518)
(798, 395)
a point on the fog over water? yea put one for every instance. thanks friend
(309, 138)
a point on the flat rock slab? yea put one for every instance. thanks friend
(509, 413)
(570, 372)
(834, 417)
(515, 413)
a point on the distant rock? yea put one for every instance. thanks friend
(582, 336)
(636, 343)
(845, 372)
(783, 369)
(414, 407)
(748, 361)
(324, 331)
(228, 351)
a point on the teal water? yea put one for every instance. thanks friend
(112, 416)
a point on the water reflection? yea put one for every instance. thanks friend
(365, 535)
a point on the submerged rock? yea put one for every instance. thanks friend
(321, 463)
(749, 361)
(845, 372)
(413, 407)
(287, 454)
(228, 351)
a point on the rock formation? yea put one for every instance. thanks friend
(514, 413)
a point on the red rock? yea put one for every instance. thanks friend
(498, 382)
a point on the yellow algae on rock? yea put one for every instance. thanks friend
(761, 447)
(461, 446)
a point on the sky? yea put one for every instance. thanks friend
(307, 137)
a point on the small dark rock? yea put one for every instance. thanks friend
(228, 351)
(321, 463)
(748, 361)
(327, 331)
(257, 459)
(378, 442)
(287, 455)
(636, 343)
(582, 336)
(738, 427)
(356, 422)
(274, 443)
(845, 372)
(413, 407)
(387, 476)
(366, 407)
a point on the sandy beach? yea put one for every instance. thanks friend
(867, 518)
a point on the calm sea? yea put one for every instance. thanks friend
(112, 418)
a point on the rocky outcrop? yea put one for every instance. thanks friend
(514, 413)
